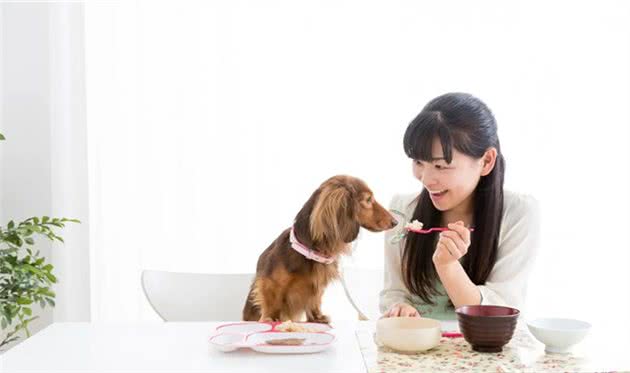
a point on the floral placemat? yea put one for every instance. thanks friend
(522, 354)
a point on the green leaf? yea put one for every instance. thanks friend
(11, 225)
(50, 301)
(45, 219)
(2, 137)
(48, 267)
(23, 300)
(34, 270)
(48, 292)
(51, 277)
(27, 311)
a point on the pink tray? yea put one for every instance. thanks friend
(254, 335)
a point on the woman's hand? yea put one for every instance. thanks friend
(401, 310)
(452, 245)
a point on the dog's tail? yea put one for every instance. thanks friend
(251, 311)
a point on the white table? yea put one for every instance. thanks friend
(184, 347)
(165, 347)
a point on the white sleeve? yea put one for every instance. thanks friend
(394, 290)
(507, 283)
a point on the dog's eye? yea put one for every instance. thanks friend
(369, 200)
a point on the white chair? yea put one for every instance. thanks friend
(362, 287)
(196, 297)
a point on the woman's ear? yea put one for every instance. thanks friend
(488, 160)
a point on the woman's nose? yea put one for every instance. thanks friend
(426, 182)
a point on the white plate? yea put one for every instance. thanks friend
(231, 337)
(313, 342)
(249, 327)
(228, 342)
(244, 328)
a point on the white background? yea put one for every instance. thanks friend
(210, 123)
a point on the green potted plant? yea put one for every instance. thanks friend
(25, 277)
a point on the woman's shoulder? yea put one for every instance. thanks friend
(518, 204)
(521, 212)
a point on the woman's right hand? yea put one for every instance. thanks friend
(401, 310)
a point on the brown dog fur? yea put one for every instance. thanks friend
(287, 284)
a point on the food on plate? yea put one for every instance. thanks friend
(290, 326)
(285, 341)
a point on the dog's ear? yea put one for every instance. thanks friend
(334, 217)
(325, 214)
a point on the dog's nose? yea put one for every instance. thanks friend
(394, 222)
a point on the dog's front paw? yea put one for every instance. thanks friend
(321, 319)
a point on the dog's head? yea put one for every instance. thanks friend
(343, 205)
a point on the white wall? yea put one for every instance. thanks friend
(43, 162)
(25, 176)
(204, 110)
(204, 115)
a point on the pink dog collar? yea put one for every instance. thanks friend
(308, 253)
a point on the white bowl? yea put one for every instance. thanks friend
(408, 334)
(558, 335)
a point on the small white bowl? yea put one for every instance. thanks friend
(408, 334)
(558, 335)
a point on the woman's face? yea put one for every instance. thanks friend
(451, 185)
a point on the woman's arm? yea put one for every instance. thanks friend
(458, 286)
(518, 248)
(507, 282)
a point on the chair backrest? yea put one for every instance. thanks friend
(196, 296)
(362, 287)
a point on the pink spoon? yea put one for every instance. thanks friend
(430, 230)
(452, 335)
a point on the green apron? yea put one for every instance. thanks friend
(441, 310)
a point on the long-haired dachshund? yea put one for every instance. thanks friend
(293, 272)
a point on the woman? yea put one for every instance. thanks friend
(456, 156)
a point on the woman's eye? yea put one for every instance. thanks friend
(418, 163)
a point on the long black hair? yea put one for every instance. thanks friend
(463, 122)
